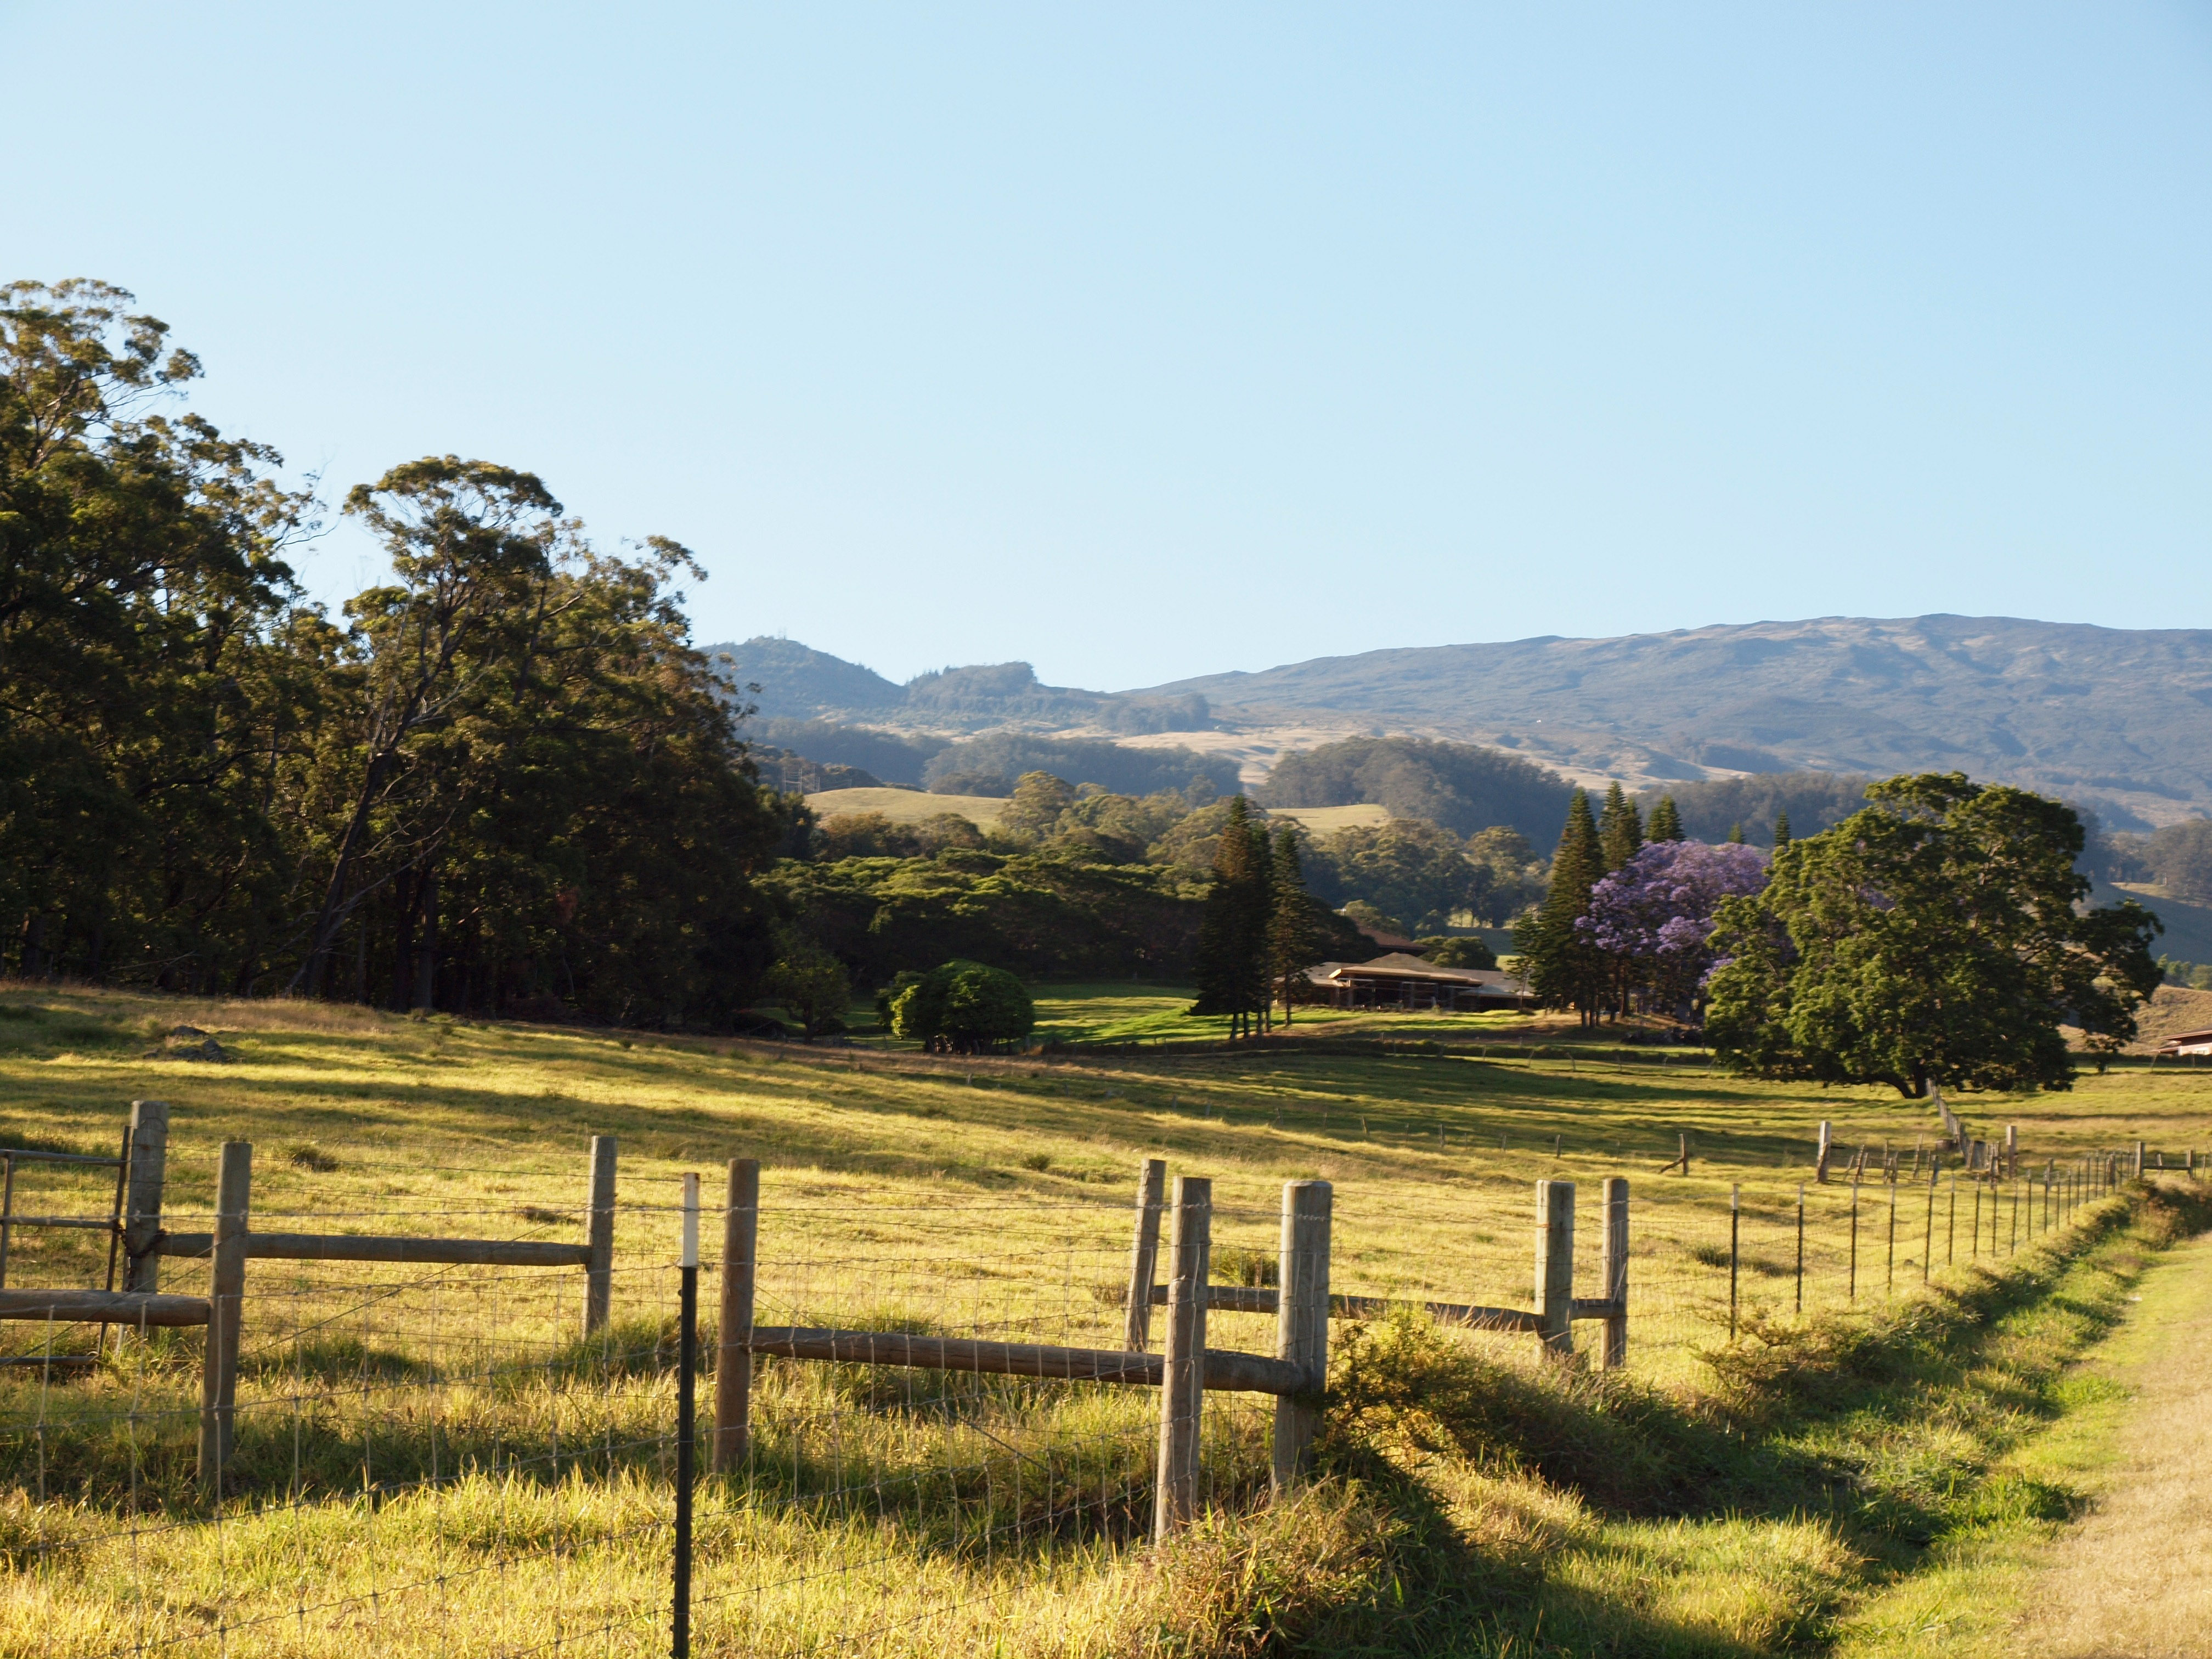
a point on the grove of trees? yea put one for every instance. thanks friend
(503, 781)
(1462, 787)
(1939, 933)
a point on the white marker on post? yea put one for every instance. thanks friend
(691, 1221)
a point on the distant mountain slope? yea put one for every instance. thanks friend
(798, 682)
(2120, 719)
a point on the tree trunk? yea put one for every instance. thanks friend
(426, 945)
(402, 944)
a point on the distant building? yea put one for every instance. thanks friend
(2187, 1042)
(1400, 980)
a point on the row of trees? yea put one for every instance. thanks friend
(1939, 934)
(1261, 929)
(503, 781)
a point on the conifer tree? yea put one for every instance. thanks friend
(1232, 963)
(1736, 834)
(1619, 831)
(1781, 830)
(1666, 821)
(1293, 941)
(1563, 968)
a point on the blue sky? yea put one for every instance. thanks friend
(1143, 342)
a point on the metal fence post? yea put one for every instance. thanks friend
(1301, 1324)
(1555, 1266)
(1182, 1372)
(1801, 1247)
(1928, 1242)
(1143, 1255)
(687, 1368)
(1735, 1236)
(600, 1235)
(226, 1299)
(733, 1359)
(1852, 1293)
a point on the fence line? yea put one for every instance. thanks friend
(547, 1416)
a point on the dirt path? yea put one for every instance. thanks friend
(2133, 1579)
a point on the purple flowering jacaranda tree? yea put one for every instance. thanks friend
(1654, 915)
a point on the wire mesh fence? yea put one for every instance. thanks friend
(479, 1458)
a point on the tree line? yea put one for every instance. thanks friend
(503, 781)
(1939, 935)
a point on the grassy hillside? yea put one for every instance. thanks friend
(907, 806)
(977, 1197)
(1327, 820)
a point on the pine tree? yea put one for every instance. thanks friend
(1563, 969)
(1736, 834)
(1781, 830)
(1232, 963)
(1293, 941)
(1619, 831)
(1666, 821)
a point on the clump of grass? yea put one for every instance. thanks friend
(1237, 1264)
(1710, 1255)
(544, 1217)
(310, 1157)
(1037, 1161)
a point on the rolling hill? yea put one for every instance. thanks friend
(2120, 720)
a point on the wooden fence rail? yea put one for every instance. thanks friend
(108, 1307)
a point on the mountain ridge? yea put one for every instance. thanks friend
(2118, 718)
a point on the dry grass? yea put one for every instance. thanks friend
(988, 1197)
(906, 805)
(2134, 1579)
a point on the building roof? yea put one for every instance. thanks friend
(1400, 966)
(2187, 1039)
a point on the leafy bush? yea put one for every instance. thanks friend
(963, 1008)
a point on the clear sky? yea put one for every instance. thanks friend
(1144, 341)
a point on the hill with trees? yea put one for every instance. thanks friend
(1462, 787)
(2115, 718)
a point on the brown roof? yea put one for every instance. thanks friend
(1398, 965)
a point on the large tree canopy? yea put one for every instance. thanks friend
(506, 781)
(1938, 935)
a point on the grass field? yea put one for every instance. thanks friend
(1327, 820)
(523, 1473)
(907, 806)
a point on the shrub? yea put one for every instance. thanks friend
(961, 1008)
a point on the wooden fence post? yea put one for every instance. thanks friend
(144, 1172)
(1820, 1159)
(2012, 1150)
(1143, 1255)
(2140, 1148)
(226, 1302)
(1613, 1274)
(1555, 1266)
(1301, 1324)
(1182, 1373)
(599, 1237)
(733, 1359)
